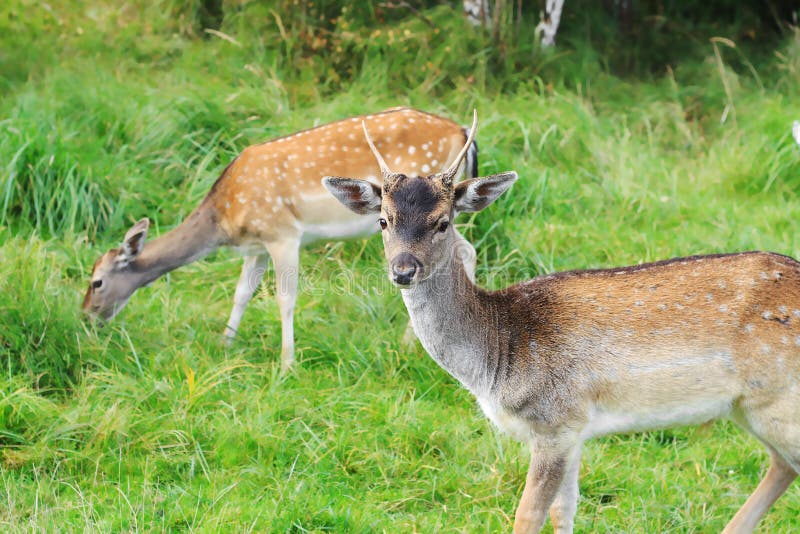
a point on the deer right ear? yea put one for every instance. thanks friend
(133, 243)
(477, 193)
(360, 196)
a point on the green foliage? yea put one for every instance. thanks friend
(633, 144)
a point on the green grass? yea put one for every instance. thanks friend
(109, 114)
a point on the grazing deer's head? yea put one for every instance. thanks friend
(115, 276)
(416, 212)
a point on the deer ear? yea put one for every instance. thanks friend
(133, 243)
(477, 193)
(360, 196)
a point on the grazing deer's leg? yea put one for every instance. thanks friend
(562, 511)
(286, 259)
(252, 273)
(545, 476)
(772, 486)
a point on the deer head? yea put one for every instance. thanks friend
(115, 276)
(416, 212)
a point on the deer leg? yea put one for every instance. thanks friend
(562, 511)
(545, 476)
(252, 273)
(286, 259)
(772, 486)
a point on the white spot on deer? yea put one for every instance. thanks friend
(709, 297)
(428, 154)
(413, 164)
(434, 163)
(227, 205)
(639, 303)
(397, 160)
(351, 136)
(723, 308)
(277, 170)
(765, 349)
(783, 309)
(721, 284)
(412, 149)
(411, 121)
(425, 146)
(662, 306)
(784, 341)
(766, 315)
(425, 168)
(279, 201)
(763, 275)
(749, 328)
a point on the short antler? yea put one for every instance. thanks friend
(385, 170)
(448, 175)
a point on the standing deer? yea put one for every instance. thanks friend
(566, 357)
(269, 201)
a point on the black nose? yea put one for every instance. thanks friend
(404, 267)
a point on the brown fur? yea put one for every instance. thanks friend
(270, 200)
(566, 357)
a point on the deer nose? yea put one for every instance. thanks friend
(404, 267)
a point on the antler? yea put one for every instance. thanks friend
(385, 170)
(449, 174)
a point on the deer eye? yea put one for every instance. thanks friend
(96, 284)
(382, 222)
(443, 226)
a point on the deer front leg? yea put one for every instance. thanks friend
(286, 259)
(545, 476)
(252, 272)
(562, 511)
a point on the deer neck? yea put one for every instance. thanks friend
(197, 236)
(448, 314)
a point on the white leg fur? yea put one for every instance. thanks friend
(562, 511)
(252, 272)
(286, 259)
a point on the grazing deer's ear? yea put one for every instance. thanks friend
(133, 243)
(477, 193)
(360, 196)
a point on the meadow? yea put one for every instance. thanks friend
(668, 138)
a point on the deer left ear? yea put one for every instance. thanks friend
(477, 193)
(360, 196)
(133, 243)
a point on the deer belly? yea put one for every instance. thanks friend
(334, 230)
(604, 421)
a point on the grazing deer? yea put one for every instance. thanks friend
(570, 356)
(269, 201)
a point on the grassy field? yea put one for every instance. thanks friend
(631, 146)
